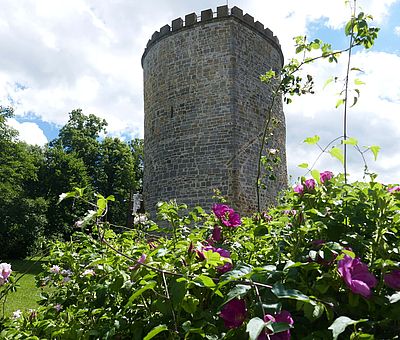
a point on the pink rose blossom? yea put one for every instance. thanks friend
(299, 189)
(66, 272)
(394, 189)
(290, 212)
(309, 184)
(57, 307)
(17, 314)
(325, 176)
(283, 316)
(140, 261)
(357, 276)
(88, 272)
(233, 313)
(227, 216)
(392, 279)
(5, 272)
(55, 269)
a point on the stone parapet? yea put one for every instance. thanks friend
(208, 15)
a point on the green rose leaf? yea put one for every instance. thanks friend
(312, 140)
(337, 153)
(205, 281)
(278, 327)
(139, 292)
(178, 291)
(315, 174)
(239, 290)
(190, 303)
(156, 330)
(303, 165)
(339, 325)
(350, 141)
(282, 293)
(255, 327)
(339, 102)
(375, 150)
(394, 298)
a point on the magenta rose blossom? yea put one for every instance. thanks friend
(283, 316)
(223, 252)
(233, 313)
(227, 266)
(141, 260)
(216, 234)
(325, 176)
(317, 243)
(357, 276)
(394, 189)
(309, 184)
(392, 279)
(226, 215)
(299, 189)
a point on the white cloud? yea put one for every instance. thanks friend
(397, 30)
(373, 120)
(63, 55)
(29, 132)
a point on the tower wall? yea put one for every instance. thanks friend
(204, 104)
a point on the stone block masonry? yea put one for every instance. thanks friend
(204, 104)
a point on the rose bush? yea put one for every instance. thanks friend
(321, 265)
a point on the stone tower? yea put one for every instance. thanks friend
(205, 109)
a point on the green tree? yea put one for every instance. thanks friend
(106, 165)
(136, 145)
(117, 175)
(81, 136)
(22, 215)
(60, 172)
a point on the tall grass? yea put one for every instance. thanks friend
(27, 294)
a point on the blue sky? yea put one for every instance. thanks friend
(57, 56)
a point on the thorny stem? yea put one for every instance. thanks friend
(269, 115)
(4, 305)
(169, 299)
(347, 93)
(263, 142)
(323, 150)
(167, 272)
(259, 299)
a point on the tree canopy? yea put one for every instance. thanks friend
(32, 178)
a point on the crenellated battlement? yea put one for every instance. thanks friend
(206, 16)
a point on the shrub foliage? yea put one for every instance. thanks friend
(323, 264)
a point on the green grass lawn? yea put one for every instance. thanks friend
(27, 293)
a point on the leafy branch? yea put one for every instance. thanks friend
(290, 83)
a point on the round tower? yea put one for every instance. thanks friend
(205, 109)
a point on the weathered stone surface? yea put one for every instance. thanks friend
(249, 19)
(204, 104)
(177, 24)
(190, 19)
(237, 12)
(222, 11)
(206, 15)
(259, 26)
(165, 30)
